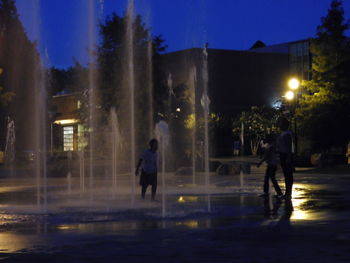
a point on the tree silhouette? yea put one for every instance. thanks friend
(19, 60)
(324, 114)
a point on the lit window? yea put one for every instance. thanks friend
(68, 134)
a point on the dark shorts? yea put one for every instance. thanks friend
(148, 179)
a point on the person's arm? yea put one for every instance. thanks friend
(267, 154)
(263, 159)
(260, 163)
(138, 167)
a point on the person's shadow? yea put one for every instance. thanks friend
(273, 209)
(288, 209)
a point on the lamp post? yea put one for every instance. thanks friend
(292, 95)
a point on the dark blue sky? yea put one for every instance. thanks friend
(61, 26)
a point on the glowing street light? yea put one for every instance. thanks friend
(289, 95)
(293, 83)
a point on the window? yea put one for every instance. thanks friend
(68, 134)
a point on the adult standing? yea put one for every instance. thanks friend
(285, 150)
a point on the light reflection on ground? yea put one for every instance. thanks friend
(22, 226)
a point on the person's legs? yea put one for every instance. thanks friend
(266, 181)
(274, 181)
(154, 186)
(143, 191)
(289, 180)
(154, 190)
(288, 174)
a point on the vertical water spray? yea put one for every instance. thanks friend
(205, 103)
(241, 177)
(10, 142)
(69, 174)
(193, 80)
(10, 149)
(40, 118)
(170, 94)
(92, 92)
(131, 88)
(150, 84)
(162, 134)
(40, 140)
(82, 171)
(115, 140)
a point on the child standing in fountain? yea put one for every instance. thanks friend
(271, 157)
(148, 160)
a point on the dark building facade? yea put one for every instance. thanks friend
(237, 80)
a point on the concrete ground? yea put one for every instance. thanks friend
(232, 224)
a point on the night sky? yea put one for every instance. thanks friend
(61, 26)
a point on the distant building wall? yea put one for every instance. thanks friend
(237, 79)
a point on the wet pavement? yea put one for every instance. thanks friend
(240, 226)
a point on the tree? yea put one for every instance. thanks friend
(5, 96)
(258, 44)
(323, 113)
(257, 123)
(20, 61)
(111, 61)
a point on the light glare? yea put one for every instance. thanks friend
(289, 95)
(293, 83)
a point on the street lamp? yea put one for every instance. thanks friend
(293, 83)
(289, 95)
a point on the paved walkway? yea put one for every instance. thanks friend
(241, 227)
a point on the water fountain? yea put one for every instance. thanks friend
(115, 144)
(131, 88)
(92, 182)
(193, 85)
(205, 104)
(82, 171)
(10, 142)
(163, 137)
(69, 174)
(150, 86)
(92, 94)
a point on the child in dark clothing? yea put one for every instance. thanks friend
(271, 157)
(148, 162)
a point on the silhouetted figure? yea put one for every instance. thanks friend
(284, 148)
(148, 160)
(271, 157)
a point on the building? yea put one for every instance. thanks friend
(237, 80)
(299, 57)
(66, 127)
